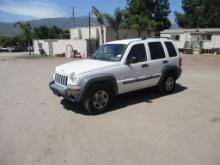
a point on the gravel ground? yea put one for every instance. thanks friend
(143, 127)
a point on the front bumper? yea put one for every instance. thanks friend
(70, 93)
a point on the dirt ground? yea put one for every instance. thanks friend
(36, 127)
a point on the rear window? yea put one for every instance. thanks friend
(171, 49)
(156, 50)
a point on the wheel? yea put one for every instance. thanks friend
(167, 85)
(98, 99)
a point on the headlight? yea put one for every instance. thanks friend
(73, 77)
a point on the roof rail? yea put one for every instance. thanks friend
(163, 37)
(134, 41)
(144, 38)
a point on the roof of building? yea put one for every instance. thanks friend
(87, 27)
(168, 31)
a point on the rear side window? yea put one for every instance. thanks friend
(156, 50)
(171, 49)
(139, 52)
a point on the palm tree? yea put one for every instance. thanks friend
(100, 19)
(115, 21)
(26, 33)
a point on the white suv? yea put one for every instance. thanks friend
(118, 67)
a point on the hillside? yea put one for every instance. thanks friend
(8, 29)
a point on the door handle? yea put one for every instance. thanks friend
(144, 65)
(165, 61)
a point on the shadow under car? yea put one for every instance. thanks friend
(144, 95)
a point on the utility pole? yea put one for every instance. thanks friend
(74, 23)
(89, 34)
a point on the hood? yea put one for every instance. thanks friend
(86, 65)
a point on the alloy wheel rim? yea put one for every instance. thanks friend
(169, 84)
(100, 99)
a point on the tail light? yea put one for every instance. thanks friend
(180, 62)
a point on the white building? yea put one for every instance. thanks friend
(201, 40)
(109, 33)
(79, 41)
(53, 47)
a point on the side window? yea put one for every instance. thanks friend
(207, 37)
(156, 50)
(171, 49)
(175, 37)
(139, 52)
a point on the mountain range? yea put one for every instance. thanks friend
(8, 29)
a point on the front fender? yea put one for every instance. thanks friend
(108, 78)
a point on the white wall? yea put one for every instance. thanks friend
(75, 33)
(123, 34)
(208, 44)
(214, 43)
(180, 43)
(217, 41)
(60, 46)
(186, 36)
(109, 33)
(83, 33)
(44, 46)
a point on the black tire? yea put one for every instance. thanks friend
(163, 85)
(91, 103)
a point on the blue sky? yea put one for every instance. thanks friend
(21, 10)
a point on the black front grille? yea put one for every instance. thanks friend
(61, 79)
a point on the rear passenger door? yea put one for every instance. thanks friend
(158, 60)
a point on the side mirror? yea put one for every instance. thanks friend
(132, 60)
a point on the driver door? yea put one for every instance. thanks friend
(132, 77)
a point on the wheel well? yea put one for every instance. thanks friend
(103, 82)
(172, 72)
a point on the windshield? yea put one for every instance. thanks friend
(110, 52)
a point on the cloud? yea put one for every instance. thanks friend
(32, 9)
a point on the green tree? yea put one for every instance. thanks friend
(5, 41)
(199, 14)
(26, 33)
(139, 15)
(44, 32)
(55, 32)
(192, 14)
(100, 20)
(141, 23)
(11, 41)
(160, 15)
(210, 16)
(115, 21)
(41, 32)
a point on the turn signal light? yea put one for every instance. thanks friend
(76, 90)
